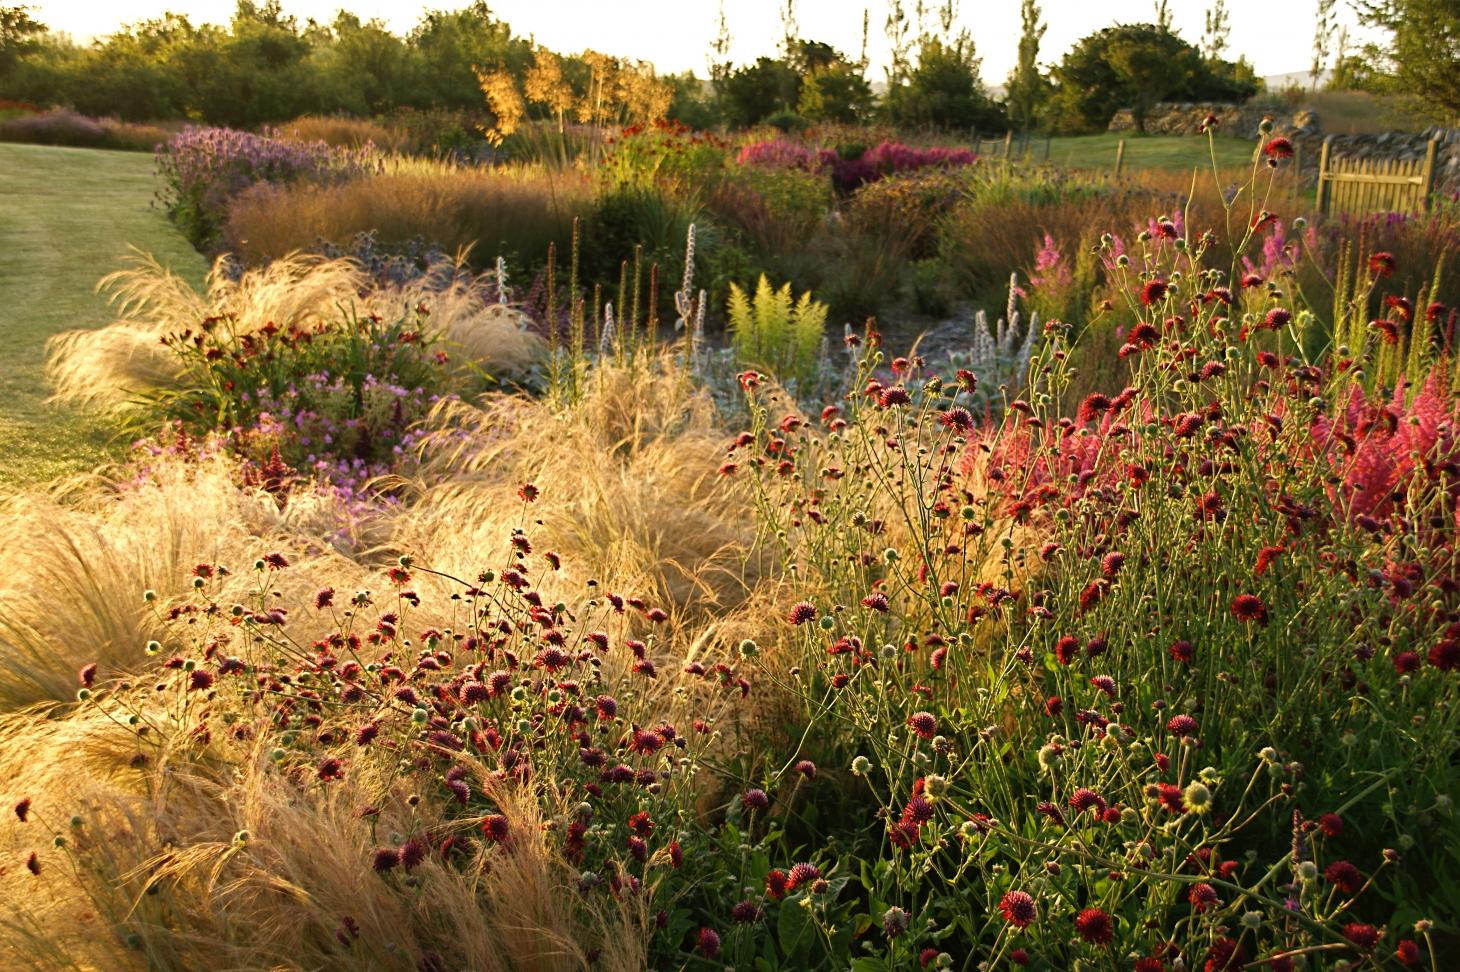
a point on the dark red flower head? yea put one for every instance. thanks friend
(1095, 926)
(708, 943)
(1389, 331)
(1018, 908)
(1278, 148)
(1276, 319)
(1382, 264)
(1364, 936)
(801, 875)
(893, 397)
(802, 612)
(1182, 725)
(1203, 896)
(1348, 878)
(924, 724)
(495, 828)
(1249, 607)
(1153, 292)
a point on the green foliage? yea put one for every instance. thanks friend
(1423, 48)
(943, 90)
(1134, 66)
(1028, 89)
(752, 93)
(264, 66)
(776, 333)
(835, 93)
(635, 215)
(19, 33)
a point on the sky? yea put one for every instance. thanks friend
(675, 35)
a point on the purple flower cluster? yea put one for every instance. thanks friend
(894, 158)
(885, 159)
(203, 169)
(780, 153)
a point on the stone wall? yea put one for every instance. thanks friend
(1185, 118)
(1306, 131)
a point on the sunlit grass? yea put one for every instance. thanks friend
(67, 217)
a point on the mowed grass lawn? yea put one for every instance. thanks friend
(1097, 152)
(67, 217)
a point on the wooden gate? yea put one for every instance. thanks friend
(1363, 185)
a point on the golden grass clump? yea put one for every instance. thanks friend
(512, 211)
(339, 131)
(215, 857)
(630, 494)
(76, 595)
(109, 366)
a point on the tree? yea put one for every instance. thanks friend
(364, 67)
(453, 44)
(1217, 33)
(755, 92)
(836, 93)
(1423, 49)
(943, 90)
(899, 44)
(1163, 15)
(1134, 66)
(790, 32)
(19, 36)
(719, 60)
(1151, 67)
(1323, 27)
(1027, 88)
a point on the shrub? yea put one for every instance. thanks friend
(59, 127)
(306, 366)
(666, 153)
(782, 154)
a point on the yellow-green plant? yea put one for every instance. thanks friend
(776, 333)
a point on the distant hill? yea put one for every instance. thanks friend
(1295, 79)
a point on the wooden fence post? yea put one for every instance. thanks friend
(1427, 176)
(1008, 142)
(1046, 146)
(1119, 156)
(1325, 190)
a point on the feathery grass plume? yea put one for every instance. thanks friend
(76, 596)
(629, 491)
(111, 366)
(215, 857)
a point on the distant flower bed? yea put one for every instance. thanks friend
(203, 169)
(885, 159)
(20, 122)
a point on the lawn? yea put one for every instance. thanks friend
(67, 217)
(1141, 152)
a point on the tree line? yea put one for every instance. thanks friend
(267, 66)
